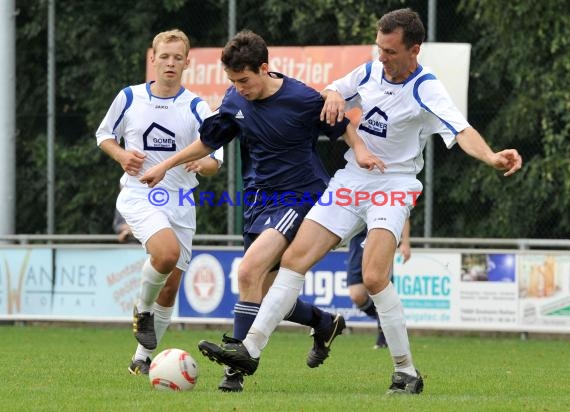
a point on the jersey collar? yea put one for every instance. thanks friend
(150, 95)
(410, 77)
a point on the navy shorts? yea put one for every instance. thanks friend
(282, 211)
(354, 266)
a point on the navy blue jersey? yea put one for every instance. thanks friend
(278, 137)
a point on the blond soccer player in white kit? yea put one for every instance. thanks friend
(156, 120)
(403, 103)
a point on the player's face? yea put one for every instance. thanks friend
(250, 85)
(398, 61)
(169, 61)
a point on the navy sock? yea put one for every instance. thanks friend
(244, 315)
(304, 314)
(370, 310)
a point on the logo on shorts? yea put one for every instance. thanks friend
(204, 283)
(159, 138)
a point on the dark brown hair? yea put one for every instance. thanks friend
(246, 50)
(408, 20)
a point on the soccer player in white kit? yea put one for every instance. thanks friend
(156, 120)
(403, 103)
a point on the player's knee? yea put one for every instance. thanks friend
(293, 258)
(359, 297)
(166, 261)
(247, 277)
(375, 280)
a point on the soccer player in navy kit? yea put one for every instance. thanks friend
(402, 104)
(276, 119)
(156, 120)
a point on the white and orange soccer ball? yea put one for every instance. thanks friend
(173, 370)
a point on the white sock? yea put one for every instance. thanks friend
(275, 305)
(142, 353)
(151, 283)
(162, 318)
(391, 314)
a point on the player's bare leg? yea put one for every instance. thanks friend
(164, 251)
(376, 269)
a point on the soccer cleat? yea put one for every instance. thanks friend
(232, 381)
(143, 328)
(231, 353)
(380, 340)
(404, 384)
(139, 367)
(323, 339)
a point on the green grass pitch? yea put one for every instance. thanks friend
(60, 368)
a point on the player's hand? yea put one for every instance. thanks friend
(194, 166)
(509, 160)
(333, 109)
(132, 161)
(367, 160)
(153, 175)
(206, 166)
(405, 251)
(200, 166)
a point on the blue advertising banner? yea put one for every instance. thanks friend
(204, 290)
(209, 287)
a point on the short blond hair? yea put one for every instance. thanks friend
(170, 36)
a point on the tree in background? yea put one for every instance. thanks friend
(100, 47)
(520, 66)
(519, 96)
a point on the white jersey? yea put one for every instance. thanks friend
(158, 127)
(397, 118)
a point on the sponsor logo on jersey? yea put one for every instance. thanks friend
(375, 123)
(239, 115)
(159, 138)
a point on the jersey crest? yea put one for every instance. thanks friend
(376, 123)
(159, 139)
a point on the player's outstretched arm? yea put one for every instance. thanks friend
(474, 145)
(195, 151)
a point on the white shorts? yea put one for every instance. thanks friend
(354, 200)
(145, 219)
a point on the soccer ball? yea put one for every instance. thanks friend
(173, 370)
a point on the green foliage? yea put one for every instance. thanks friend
(98, 52)
(318, 22)
(212, 218)
(523, 50)
(519, 97)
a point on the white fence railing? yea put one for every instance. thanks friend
(450, 242)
